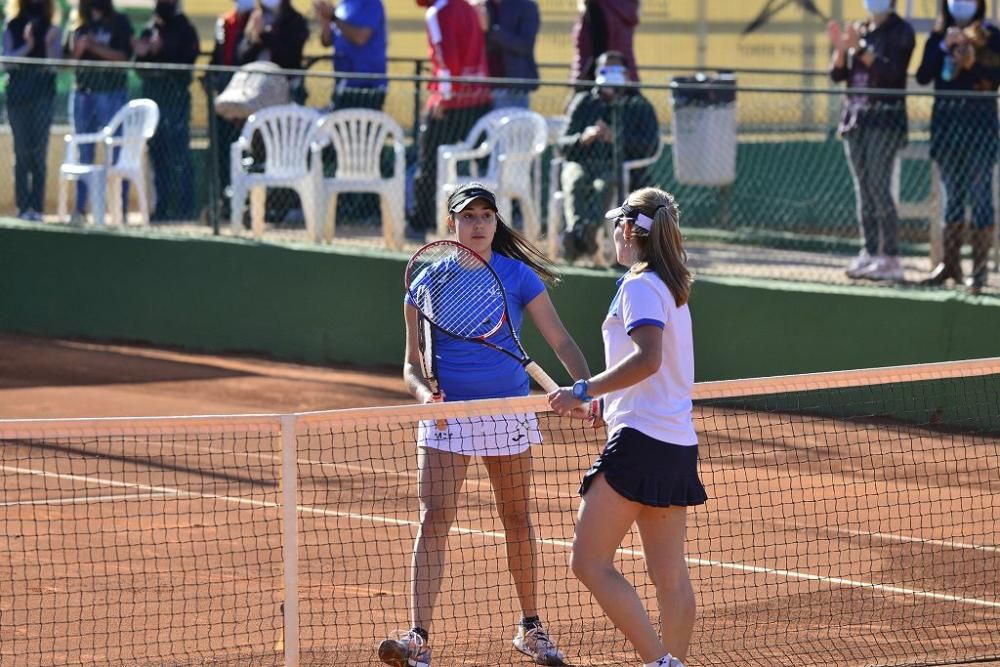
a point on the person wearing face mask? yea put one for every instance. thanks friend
(31, 31)
(962, 53)
(607, 124)
(98, 32)
(170, 37)
(229, 29)
(874, 53)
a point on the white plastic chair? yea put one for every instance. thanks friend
(555, 217)
(358, 137)
(287, 132)
(127, 133)
(513, 141)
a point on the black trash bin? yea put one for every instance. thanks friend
(704, 129)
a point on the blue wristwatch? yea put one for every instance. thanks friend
(580, 391)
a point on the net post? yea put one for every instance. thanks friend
(289, 539)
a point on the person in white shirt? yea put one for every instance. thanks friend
(648, 472)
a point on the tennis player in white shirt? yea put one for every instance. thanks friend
(648, 472)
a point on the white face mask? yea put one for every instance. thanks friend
(244, 5)
(878, 6)
(963, 10)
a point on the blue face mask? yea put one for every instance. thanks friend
(963, 10)
(878, 6)
(611, 76)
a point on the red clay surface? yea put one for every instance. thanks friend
(825, 541)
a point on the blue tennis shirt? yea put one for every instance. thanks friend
(369, 58)
(468, 370)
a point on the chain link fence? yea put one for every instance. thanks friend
(766, 184)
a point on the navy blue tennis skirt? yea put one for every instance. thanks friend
(648, 471)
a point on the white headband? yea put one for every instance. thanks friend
(644, 221)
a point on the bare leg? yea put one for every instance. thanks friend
(602, 522)
(662, 530)
(510, 477)
(440, 476)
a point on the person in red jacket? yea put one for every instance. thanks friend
(457, 49)
(604, 25)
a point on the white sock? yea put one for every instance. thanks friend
(662, 662)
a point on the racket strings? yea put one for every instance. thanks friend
(463, 296)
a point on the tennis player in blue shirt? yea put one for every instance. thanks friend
(647, 474)
(468, 370)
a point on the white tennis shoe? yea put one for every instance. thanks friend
(534, 642)
(860, 265)
(887, 269)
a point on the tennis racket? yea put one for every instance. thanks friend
(425, 338)
(460, 294)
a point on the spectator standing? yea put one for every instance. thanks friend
(604, 25)
(874, 53)
(607, 124)
(100, 33)
(962, 53)
(457, 49)
(510, 27)
(357, 31)
(276, 32)
(31, 32)
(229, 29)
(169, 37)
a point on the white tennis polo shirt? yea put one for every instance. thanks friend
(660, 405)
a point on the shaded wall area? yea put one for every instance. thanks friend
(327, 305)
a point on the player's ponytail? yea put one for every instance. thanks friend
(661, 248)
(511, 243)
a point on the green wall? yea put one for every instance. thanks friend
(324, 305)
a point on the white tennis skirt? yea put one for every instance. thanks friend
(495, 435)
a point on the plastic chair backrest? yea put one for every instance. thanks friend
(521, 136)
(135, 123)
(287, 132)
(358, 136)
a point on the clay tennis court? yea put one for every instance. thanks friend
(844, 541)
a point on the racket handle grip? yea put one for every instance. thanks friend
(547, 384)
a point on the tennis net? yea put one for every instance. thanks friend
(852, 520)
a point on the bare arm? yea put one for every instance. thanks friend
(545, 317)
(413, 376)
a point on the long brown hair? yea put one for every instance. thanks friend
(661, 249)
(509, 242)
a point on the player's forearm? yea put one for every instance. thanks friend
(415, 383)
(631, 370)
(572, 359)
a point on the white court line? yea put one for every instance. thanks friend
(893, 537)
(482, 484)
(82, 500)
(736, 567)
